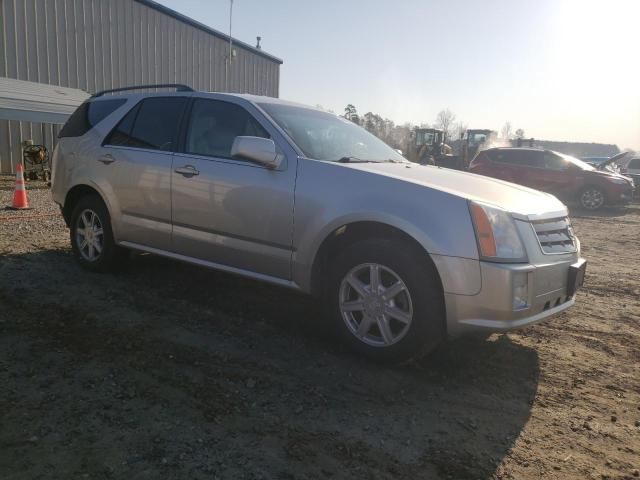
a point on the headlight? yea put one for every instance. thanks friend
(496, 233)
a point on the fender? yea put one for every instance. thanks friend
(305, 254)
(106, 193)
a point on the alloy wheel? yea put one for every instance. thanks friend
(592, 199)
(89, 235)
(375, 304)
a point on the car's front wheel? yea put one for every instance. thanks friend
(386, 301)
(592, 198)
(92, 237)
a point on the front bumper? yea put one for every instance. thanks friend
(621, 195)
(492, 309)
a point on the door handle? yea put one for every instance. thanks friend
(187, 171)
(106, 159)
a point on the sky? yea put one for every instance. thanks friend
(558, 69)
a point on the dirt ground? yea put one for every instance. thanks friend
(172, 371)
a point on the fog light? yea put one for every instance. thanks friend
(520, 290)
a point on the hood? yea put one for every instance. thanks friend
(613, 159)
(604, 173)
(523, 202)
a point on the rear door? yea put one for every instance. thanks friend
(137, 157)
(230, 211)
(529, 164)
(514, 165)
(501, 165)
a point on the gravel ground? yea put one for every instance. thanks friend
(172, 371)
(24, 230)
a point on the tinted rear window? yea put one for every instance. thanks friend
(88, 115)
(152, 124)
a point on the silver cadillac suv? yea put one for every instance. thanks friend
(401, 255)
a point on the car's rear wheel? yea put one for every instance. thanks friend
(592, 198)
(386, 301)
(92, 237)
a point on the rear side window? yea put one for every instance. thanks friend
(495, 155)
(527, 158)
(152, 124)
(88, 115)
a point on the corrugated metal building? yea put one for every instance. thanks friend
(99, 44)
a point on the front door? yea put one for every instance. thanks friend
(556, 177)
(229, 211)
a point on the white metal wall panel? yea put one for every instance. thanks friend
(99, 44)
(37, 102)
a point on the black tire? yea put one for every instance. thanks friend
(427, 328)
(592, 198)
(111, 257)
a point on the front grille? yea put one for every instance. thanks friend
(555, 235)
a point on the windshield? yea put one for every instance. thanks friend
(477, 138)
(324, 136)
(424, 138)
(575, 161)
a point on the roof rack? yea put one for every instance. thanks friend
(178, 86)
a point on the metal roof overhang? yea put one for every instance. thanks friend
(37, 102)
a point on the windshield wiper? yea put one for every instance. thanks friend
(391, 160)
(354, 160)
(360, 160)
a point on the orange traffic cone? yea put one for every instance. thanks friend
(20, 201)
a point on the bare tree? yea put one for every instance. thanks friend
(506, 132)
(519, 133)
(444, 121)
(458, 130)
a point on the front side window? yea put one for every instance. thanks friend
(152, 124)
(554, 162)
(635, 163)
(569, 160)
(214, 125)
(324, 136)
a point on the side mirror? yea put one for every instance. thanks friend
(257, 149)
